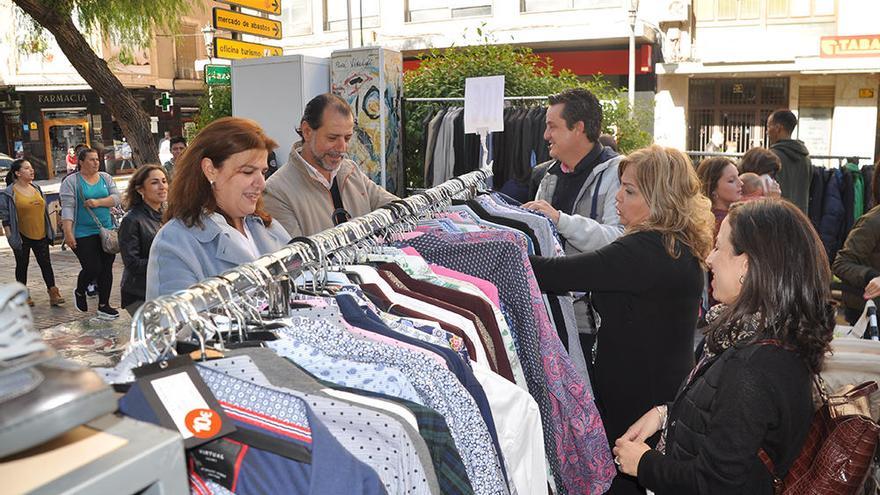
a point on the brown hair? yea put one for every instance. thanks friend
(191, 193)
(678, 209)
(710, 171)
(132, 197)
(760, 161)
(787, 284)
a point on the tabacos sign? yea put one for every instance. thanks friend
(850, 46)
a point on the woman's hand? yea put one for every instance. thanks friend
(70, 241)
(627, 455)
(649, 424)
(872, 290)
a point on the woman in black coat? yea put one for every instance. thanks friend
(751, 390)
(645, 288)
(147, 192)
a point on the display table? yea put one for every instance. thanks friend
(109, 455)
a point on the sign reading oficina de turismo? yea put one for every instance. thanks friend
(236, 22)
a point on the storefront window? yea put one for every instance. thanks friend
(735, 110)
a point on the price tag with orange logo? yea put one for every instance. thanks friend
(183, 402)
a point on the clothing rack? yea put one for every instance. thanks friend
(157, 321)
(506, 98)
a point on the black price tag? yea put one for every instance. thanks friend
(182, 401)
(219, 461)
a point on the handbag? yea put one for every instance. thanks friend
(837, 453)
(109, 237)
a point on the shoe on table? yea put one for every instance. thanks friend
(55, 298)
(80, 301)
(107, 313)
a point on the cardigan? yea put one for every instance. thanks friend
(749, 397)
(182, 256)
(9, 216)
(647, 304)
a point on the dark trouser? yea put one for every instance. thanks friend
(41, 253)
(96, 265)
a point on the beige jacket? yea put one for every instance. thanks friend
(304, 206)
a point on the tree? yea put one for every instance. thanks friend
(442, 73)
(127, 22)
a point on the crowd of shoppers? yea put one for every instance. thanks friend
(639, 232)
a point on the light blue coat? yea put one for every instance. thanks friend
(182, 256)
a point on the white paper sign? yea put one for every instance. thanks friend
(483, 104)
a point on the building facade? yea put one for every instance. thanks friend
(586, 36)
(47, 108)
(735, 61)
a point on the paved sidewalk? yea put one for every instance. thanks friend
(66, 267)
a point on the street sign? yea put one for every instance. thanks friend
(247, 24)
(218, 75)
(267, 6)
(165, 101)
(234, 49)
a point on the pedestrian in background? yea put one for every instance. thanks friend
(144, 199)
(178, 146)
(86, 199)
(721, 184)
(796, 168)
(27, 226)
(766, 165)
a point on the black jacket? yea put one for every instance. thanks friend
(648, 304)
(796, 173)
(747, 398)
(136, 233)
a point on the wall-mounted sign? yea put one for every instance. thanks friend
(247, 24)
(850, 46)
(234, 49)
(866, 93)
(218, 75)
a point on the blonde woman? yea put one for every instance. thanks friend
(646, 288)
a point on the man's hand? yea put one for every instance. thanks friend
(70, 241)
(872, 290)
(545, 208)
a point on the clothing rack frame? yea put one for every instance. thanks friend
(157, 321)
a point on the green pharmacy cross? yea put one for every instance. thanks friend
(165, 101)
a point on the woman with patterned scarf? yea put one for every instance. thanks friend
(751, 389)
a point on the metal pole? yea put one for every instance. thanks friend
(348, 20)
(631, 89)
(361, 19)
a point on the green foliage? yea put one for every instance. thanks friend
(214, 104)
(128, 23)
(442, 74)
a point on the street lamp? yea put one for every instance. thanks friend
(633, 12)
(208, 34)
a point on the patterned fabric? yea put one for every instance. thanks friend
(572, 426)
(433, 428)
(438, 388)
(351, 373)
(375, 439)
